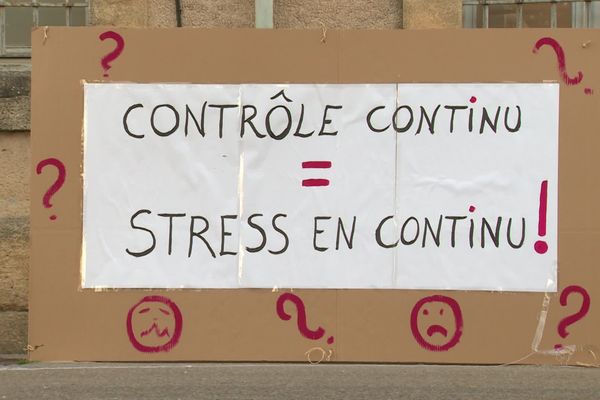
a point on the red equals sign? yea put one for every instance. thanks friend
(316, 165)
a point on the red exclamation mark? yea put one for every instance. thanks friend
(541, 246)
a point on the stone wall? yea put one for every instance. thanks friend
(14, 205)
(15, 88)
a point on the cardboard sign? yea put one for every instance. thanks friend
(178, 201)
(430, 186)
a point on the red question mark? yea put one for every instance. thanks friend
(571, 319)
(107, 59)
(60, 180)
(562, 63)
(304, 330)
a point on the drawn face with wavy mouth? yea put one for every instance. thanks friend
(154, 324)
(440, 320)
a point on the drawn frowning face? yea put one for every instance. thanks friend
(154, 324)
(436, 323)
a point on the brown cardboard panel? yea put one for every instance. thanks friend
(364, 325)
(489, 324)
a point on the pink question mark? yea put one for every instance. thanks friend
(60, 180)
(562, 63)
(107, 59)
(304, 330)
(571, 319)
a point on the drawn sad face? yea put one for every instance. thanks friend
(154, 324)
(436, 323)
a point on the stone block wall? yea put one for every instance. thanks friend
(14, 205)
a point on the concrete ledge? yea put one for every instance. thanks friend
(14, 113)
(15, 80)
(13, 332)
(15, 87)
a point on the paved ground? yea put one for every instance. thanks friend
(284, 381)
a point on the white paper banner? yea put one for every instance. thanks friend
(408, 186)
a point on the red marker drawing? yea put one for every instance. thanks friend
(110, 57)
(562, 63)
(301, 317)
(316, 165)
(60, 180)
(154, 324)
(571, 319)
(438, 336)
(541, 246)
